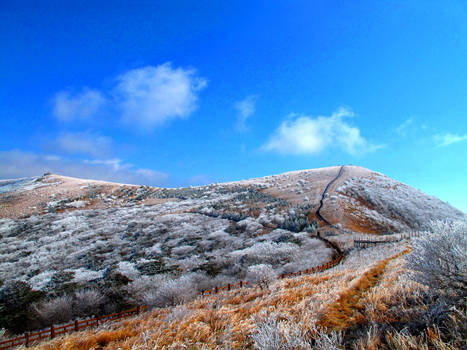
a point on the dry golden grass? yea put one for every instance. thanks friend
(346, 311)
(336, 299)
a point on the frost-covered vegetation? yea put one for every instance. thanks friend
(369, 302)
(392, 205)
(155, 254)
(161, 247)
(23, 184)
(440, 258)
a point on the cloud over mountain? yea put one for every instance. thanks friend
(79, 106)
(144, 98)
(245, 108)
(312, 135)
(17, 163)
(84, 143)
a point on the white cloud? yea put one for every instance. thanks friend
(245, 108)
(449, 139)
(308, 135)
(114, 163)
(18, 163)
(151, 96)
(83, 105)
(84, 143)
(405, 127)
(145, 97)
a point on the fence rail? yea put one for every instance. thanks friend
(32, 337)
(242, 284)
(29, 338)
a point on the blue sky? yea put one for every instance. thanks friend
(176, 93)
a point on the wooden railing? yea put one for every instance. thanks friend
(29, 338)
(227, 287)
(315, 269)
(363, 241)
(53, 331)
(319, 268)
(242, 284)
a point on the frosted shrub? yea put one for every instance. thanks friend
(87, 302)
(274, 332)
(151, 298)
(170, 293)
(439, 258)
(144, 289)
(267, 252)
(250, 226)
(183, 250)
(268, 335)
(55, 310)
(262, 274)
(175, 292)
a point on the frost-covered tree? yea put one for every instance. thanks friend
(262, 274)
(87, 302)
(267, 252)
(55, 310)
(15, 299)
(439, 258)
(171, 292)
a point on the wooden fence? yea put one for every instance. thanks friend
(241, 284)
(227, 287)
(29, 338)
(315, 269)
(369, 242)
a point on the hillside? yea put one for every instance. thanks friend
(84, 228)
(62, 235)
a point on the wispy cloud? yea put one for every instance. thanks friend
(245, 109)
(18, 163)
(405, 127)
(312, 135)
(80, 106)
(83, 143)
(144, 98)
(447, 139)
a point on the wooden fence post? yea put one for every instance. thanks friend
(52, 332)
(26, 336)
(241, 284)
(97, 320)
(216, 290)
(76, 326)
(228, 287)
(138, 310)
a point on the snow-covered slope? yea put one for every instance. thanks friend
(56, 228)
(360, 200)
(379, 203)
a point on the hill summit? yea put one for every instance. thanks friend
(60, 236)
(359, 200)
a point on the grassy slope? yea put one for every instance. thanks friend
(229, 318)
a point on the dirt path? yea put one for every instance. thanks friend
(321, 203)
(345, 311)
